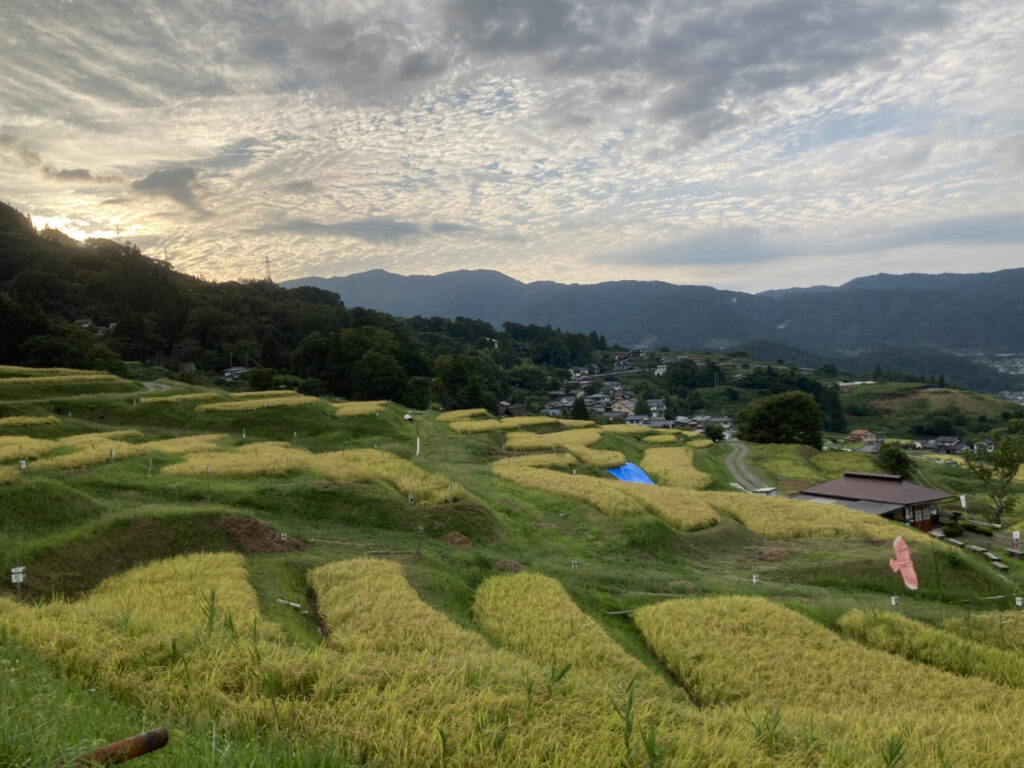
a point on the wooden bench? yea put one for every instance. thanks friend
(955, 542)
(1015, 553)
(937, 534)
(1000, 566)
(976, 548)
(992, 556)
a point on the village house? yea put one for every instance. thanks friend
(861, 436)
(887, 496)
(949, 444)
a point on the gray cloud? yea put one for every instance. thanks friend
(981, 230)
(725, 245)
(176, 183)
(373, 229)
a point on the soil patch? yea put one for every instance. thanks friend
(773, 554)
(683, 586)
(75, 567)
(508, 566)
(456, 539)
(253, 536)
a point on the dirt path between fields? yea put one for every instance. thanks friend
(735, 463)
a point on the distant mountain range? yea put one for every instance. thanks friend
(948, 312)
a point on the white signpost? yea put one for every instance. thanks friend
(963, 502)
(18, 576)
(1016, 541)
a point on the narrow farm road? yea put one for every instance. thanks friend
(735, 463)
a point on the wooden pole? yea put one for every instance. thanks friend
(120, 751)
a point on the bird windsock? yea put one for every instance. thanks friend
(903, 564)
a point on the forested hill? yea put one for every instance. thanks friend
(100, 303)
(982, 312)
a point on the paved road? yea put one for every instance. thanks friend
(735, 463)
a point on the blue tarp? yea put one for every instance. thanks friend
(631, 473)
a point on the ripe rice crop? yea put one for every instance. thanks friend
(944, 457)
(260, 460)
(751, 652)
(274, 459)
(689, 434)
(610, 497)
(1000, 629)
(899, 635)
(661, 439)
(674, 468)
(263, 394)
(26, 421)
(528, 441)
(253, 404)
(40, 381)
(460, 415)
(597, 458)
(478, 426)
(185, 445)
(359, 408)
(14, 447)
(37, 387)
(184, 398)
(436, 675)
(701, 443)
(576, 423)
(23, 372)
(627, 429)
(396, 681)
(776, 517)
(683, 511)
(90, 438)
(518, 422)
(404, 476)
(541, 460)
(532, 615)
(98, 451)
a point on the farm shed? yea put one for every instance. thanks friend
(885, 495)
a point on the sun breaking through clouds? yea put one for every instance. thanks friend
(746, 145)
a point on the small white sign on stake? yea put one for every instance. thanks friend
(757, 579)
(17, 574)
(893, 600)
(963, 501)
(1019, 601)
(1016, 541)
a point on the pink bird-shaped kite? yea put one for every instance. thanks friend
(903, 564)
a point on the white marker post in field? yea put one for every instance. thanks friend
(18, 576)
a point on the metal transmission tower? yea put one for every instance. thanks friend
(266, 265)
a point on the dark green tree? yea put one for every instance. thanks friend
(714, 432)
(790, 417)
(579, 410)
(894, 460)
(642, 408)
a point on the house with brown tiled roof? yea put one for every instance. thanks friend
(888, 496)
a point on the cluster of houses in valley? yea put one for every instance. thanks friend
(615, 404)
(869, 442)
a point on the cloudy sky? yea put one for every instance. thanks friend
(743, 144)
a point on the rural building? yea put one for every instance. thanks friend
(506, 408)
(887, 496)
(860, 436)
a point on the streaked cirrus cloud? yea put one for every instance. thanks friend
(745, 145)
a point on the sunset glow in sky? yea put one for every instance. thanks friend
(743, 144)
